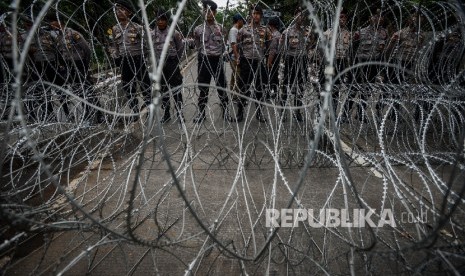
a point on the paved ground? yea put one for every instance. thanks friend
(227, 175)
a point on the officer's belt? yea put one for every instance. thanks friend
(254, 59)
(209, 56)
(172, 58)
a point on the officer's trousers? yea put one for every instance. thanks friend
(171, 84)
(211, 67)
(273, 77)
(39, 98)
(252, 72)
(295, 78)
(367, 74)
(76, 74)
(340, 64)
(6, 93)
(234, 81)
(134, 72)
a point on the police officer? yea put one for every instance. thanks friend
(172, 78)
(74, 56)
(6, 65)
(128, 49)
(209, 41)
(447, 61)
(251, 40)
(343, 43)
(295, 43)
(238, 23)
(273, 56)
(43, 55)
(405, 44)
(371, 42)
(342, 58)
(6, 53)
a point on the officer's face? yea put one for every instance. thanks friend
(376, 20)
(299, 19)
(240, 23)
(415, 21)
(55, 25)
(257, 17)
(27, 25)
(343, 19)
(209, 14)
(162, 23)
(122, 13)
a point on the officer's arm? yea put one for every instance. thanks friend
(84, 45)
(283, 42)
(197, 39)
(353, 45)
(272, 52)
(382, 40)
(142, 37)
(225, 36)
(112, 47)
(395, 39)
(355, 41)
(179, 45)
(235, 46)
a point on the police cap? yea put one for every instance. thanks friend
(51, 16)
(258, 9)
(376, 11)
(344, 13)
(162, 14)
(274, 21)
(126, 4)
(209, 4)
(298, 10)
(238, 17)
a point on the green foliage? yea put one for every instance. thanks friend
(98, 16)
(3, 7)
(227, 14)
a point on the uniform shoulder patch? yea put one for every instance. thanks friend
(110, 31)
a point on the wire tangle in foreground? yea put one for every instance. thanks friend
(335, 145)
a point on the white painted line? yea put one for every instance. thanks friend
(74, 183)
(358, 158)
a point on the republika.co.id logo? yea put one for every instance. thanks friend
(356, 218)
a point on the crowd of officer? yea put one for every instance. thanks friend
(57, 56)
(266, 63)
(360, 57)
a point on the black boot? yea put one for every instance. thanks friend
(200, 117)
(240, 112)
(224, 111)
(97, 117)
(298, 116)
(166, 111)
(179, 104)
(226, 114)
(259, 115)
(166, 116)
(180, 115)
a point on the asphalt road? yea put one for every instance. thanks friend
(227, 176)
